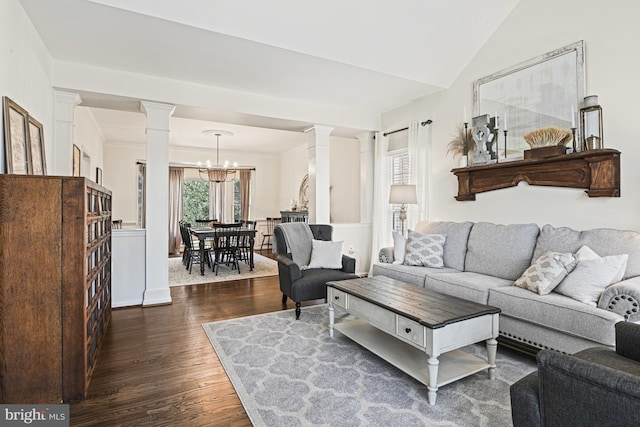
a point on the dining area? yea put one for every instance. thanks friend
(215, 245)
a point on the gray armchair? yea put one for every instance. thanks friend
(594, 387)
(305, 284)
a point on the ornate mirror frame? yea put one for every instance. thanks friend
(538, 93)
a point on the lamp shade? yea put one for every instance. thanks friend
(403, 194)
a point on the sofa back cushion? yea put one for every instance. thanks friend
(455, 245)
(503, 251)
(604, 241)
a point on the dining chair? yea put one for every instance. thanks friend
(226, 246)
(266, 237)
(245, 240)
(191, 254)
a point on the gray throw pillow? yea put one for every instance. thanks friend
(546, 272)
(426, 250)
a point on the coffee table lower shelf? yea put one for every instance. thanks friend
(454, 365)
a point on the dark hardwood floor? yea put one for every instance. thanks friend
(156, 366)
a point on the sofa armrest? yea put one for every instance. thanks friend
(574, 391)
(348, 264)
(385, 255)
(628, 340)
(623, 298)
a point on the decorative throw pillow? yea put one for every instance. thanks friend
(586, 253)
(399, 247)
(426, 250)
(592, 275)
(546, 272)
(325, 254)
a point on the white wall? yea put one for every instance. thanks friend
(345, 180)
(25, 74)
(612, 68)
(89, 138)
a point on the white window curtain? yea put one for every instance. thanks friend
(381, 233)
(419, 158)
(216, 200)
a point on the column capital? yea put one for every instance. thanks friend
(157, 114)
(66, 103)
(319, 129)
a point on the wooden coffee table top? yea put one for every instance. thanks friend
(429, 308)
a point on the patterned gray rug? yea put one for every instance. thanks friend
(291, 373)
(179, 275)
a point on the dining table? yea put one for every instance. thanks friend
(203, 233)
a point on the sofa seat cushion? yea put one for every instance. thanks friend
(557, 312)
(455, 245)
(407, 273)
(470, 286)
(603, 241)
(503, 251)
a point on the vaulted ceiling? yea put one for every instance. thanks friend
(369, 55)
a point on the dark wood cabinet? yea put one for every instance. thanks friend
(598, 171)
(55, 285)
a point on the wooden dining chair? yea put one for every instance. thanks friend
(226, 246)
(266, 237)
(245, 240)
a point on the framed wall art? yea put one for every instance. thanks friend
(16, 138)
(36, 140)
(76, 160)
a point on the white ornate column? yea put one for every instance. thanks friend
(157, 209)
(367, 164)
(65, 105)
(319, 174)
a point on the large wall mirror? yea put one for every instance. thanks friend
(538, 93)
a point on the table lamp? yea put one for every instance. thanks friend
(403, 194)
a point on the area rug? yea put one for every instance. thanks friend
(291, 373)
(179, 275)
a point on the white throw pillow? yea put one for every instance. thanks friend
(426, 250)
(325, 254)
(399, 247)
(546, 272)
(586, 253)
(592, 275)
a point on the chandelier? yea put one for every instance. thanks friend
(219, 172)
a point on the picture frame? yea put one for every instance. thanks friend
(98, 176)
(76, 160)
(16, 138)
(37, 150)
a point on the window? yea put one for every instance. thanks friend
(195, 200)
(399, 171)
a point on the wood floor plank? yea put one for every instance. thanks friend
(156, 366)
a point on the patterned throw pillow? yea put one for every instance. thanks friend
(546, 272)
(426, 250)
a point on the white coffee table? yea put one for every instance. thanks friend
(418, 331)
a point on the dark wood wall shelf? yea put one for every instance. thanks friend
(596, 170)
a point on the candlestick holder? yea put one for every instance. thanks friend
(505, 143)
(573, 132)
(466, 142)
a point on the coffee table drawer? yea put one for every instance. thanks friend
(410, 330)
(338, 298)
(373, 313)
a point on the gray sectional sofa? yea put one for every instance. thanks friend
(482, 261)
